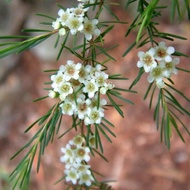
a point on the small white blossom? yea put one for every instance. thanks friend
(62, 31)
(163, 52)
(79, 11)
(57, 80)
(71, 70)
(68, 154)
(84, 74)
(86, 179)
(77, 141)
(83, 106)
(52, 94)
(56, 24)
(65, 89)
(106, 87)
(169, 67)
(91, 88)
(81, 154)
(157, 75)
(68, 108)
(95, 116)
(147, 60)
(82, 168)
(90, 28)
(71, 175)
(63, 16)
(74, 24)
(92, 141)
(101, 78)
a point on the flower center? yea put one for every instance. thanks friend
(169, 65)
(94, 115)
(75, 24)
(100, 80)
(70, 70)
(67, 107)
(91, 87)
(157, 72)
(65, 88)
(147, 59)
(88, 27)
(161, 52)
(82, 107)
(81, 152)
(59, 79)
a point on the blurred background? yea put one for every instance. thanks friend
(137, 159)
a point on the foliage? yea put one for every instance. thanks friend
(69, 87)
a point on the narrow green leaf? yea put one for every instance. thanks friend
(148, 90)
(104, 134)
(63, 45)
(179, 92)
(41, 98)
(121, 97)
(176, 128)
(152, 96)
(35, 30)
(105, 53)
(129, 49)
(108, 122)
(141, 71)
(125, 90)
(115, 105)
(107, 129)
(111, 12)
(45, 16)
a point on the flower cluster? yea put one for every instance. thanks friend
(75, 20)
(158, 62)
(76, 156)
(79, 87)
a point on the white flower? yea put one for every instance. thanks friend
(94, 70)
(74, 24)
(157, 75)
(90, 28)
(65, 89)
(82, 168)
(92, 141)
(95, 116)
(84, 74)
(56, 24)
(106, 87)
(62, 31)
(91, 88)
(79, 11)
(83, 106)
(169, 67)
(52, 94)
(163, 52)
(101, 78)
(77, 141)
(64, 16)
(68, 107)
(94, 102)
(81, 154)
(147, 60)
(69, 156)
(71, 175)
(86, 179)
(57, 80)
(71, 70)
